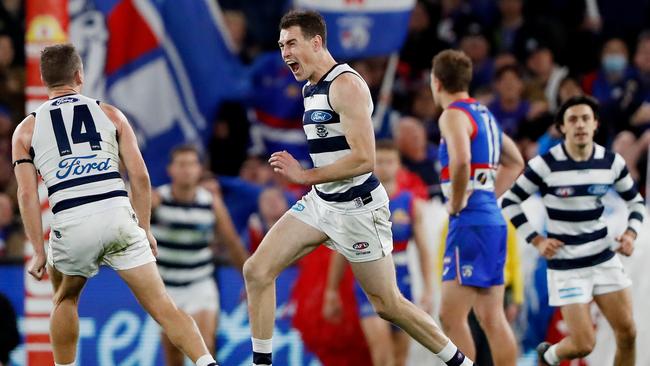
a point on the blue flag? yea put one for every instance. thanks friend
(363, 28)
(166, 64)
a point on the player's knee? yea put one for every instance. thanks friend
(388, 306)
(491, 318)
(451, 318)
(65, 295)
(164, 309)
(626, 336)
(585, 344)
(255, 274)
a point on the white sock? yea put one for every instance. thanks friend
(205, 360)
(449, 351)
(551, 355)
(65, 364)
(262, 345)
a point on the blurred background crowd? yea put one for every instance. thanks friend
(528, 55)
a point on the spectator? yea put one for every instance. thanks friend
(455, 15)
(236, 23)
(6, 221)
(511, 23)
(424, 109)
(276, 110)
(641, 117)
(6, 129)
(421, 43)
(417, 155)
(509, 107)
(475, 44)
(384, 117)
(12, 17)
(617, 89)
(633, 144)
(545, 74)
(272, 204)
(504, 59)
(256, 170)
(12, 79)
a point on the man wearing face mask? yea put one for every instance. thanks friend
(617, 89)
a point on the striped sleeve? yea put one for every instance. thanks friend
(529, 183)
(624, 186)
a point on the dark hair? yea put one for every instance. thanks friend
(311, 23)
(498, 74)
(184, 148)
(386, 145)
(59, 64)
(453, 69)
(574, 101)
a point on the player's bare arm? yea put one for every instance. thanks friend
(424, 255)
(30, 207)
(226, 230)
(135, 168)
(510, 166)
(349, 98)
(456, 129)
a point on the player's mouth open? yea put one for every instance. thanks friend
(293, 65)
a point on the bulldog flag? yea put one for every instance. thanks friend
(166, 64)
(362, 28)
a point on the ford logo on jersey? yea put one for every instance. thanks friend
(320, 116)
(79, 165)
(598, 189)
(64, 100)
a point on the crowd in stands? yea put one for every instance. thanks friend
(528, 56)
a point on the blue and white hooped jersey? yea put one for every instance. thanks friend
(572, 193)
(327, 144)
(184, 231)
(75, 150)
(485, 147)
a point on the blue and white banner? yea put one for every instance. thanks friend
(363, 28)
(166, 64)
(115, 331)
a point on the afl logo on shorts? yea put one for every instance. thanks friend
(321, 131)
(360, 246)
(320, 116)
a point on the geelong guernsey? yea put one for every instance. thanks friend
(75, 150)
(327, 144)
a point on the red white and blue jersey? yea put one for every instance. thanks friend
(485, 148)
(401, 215)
